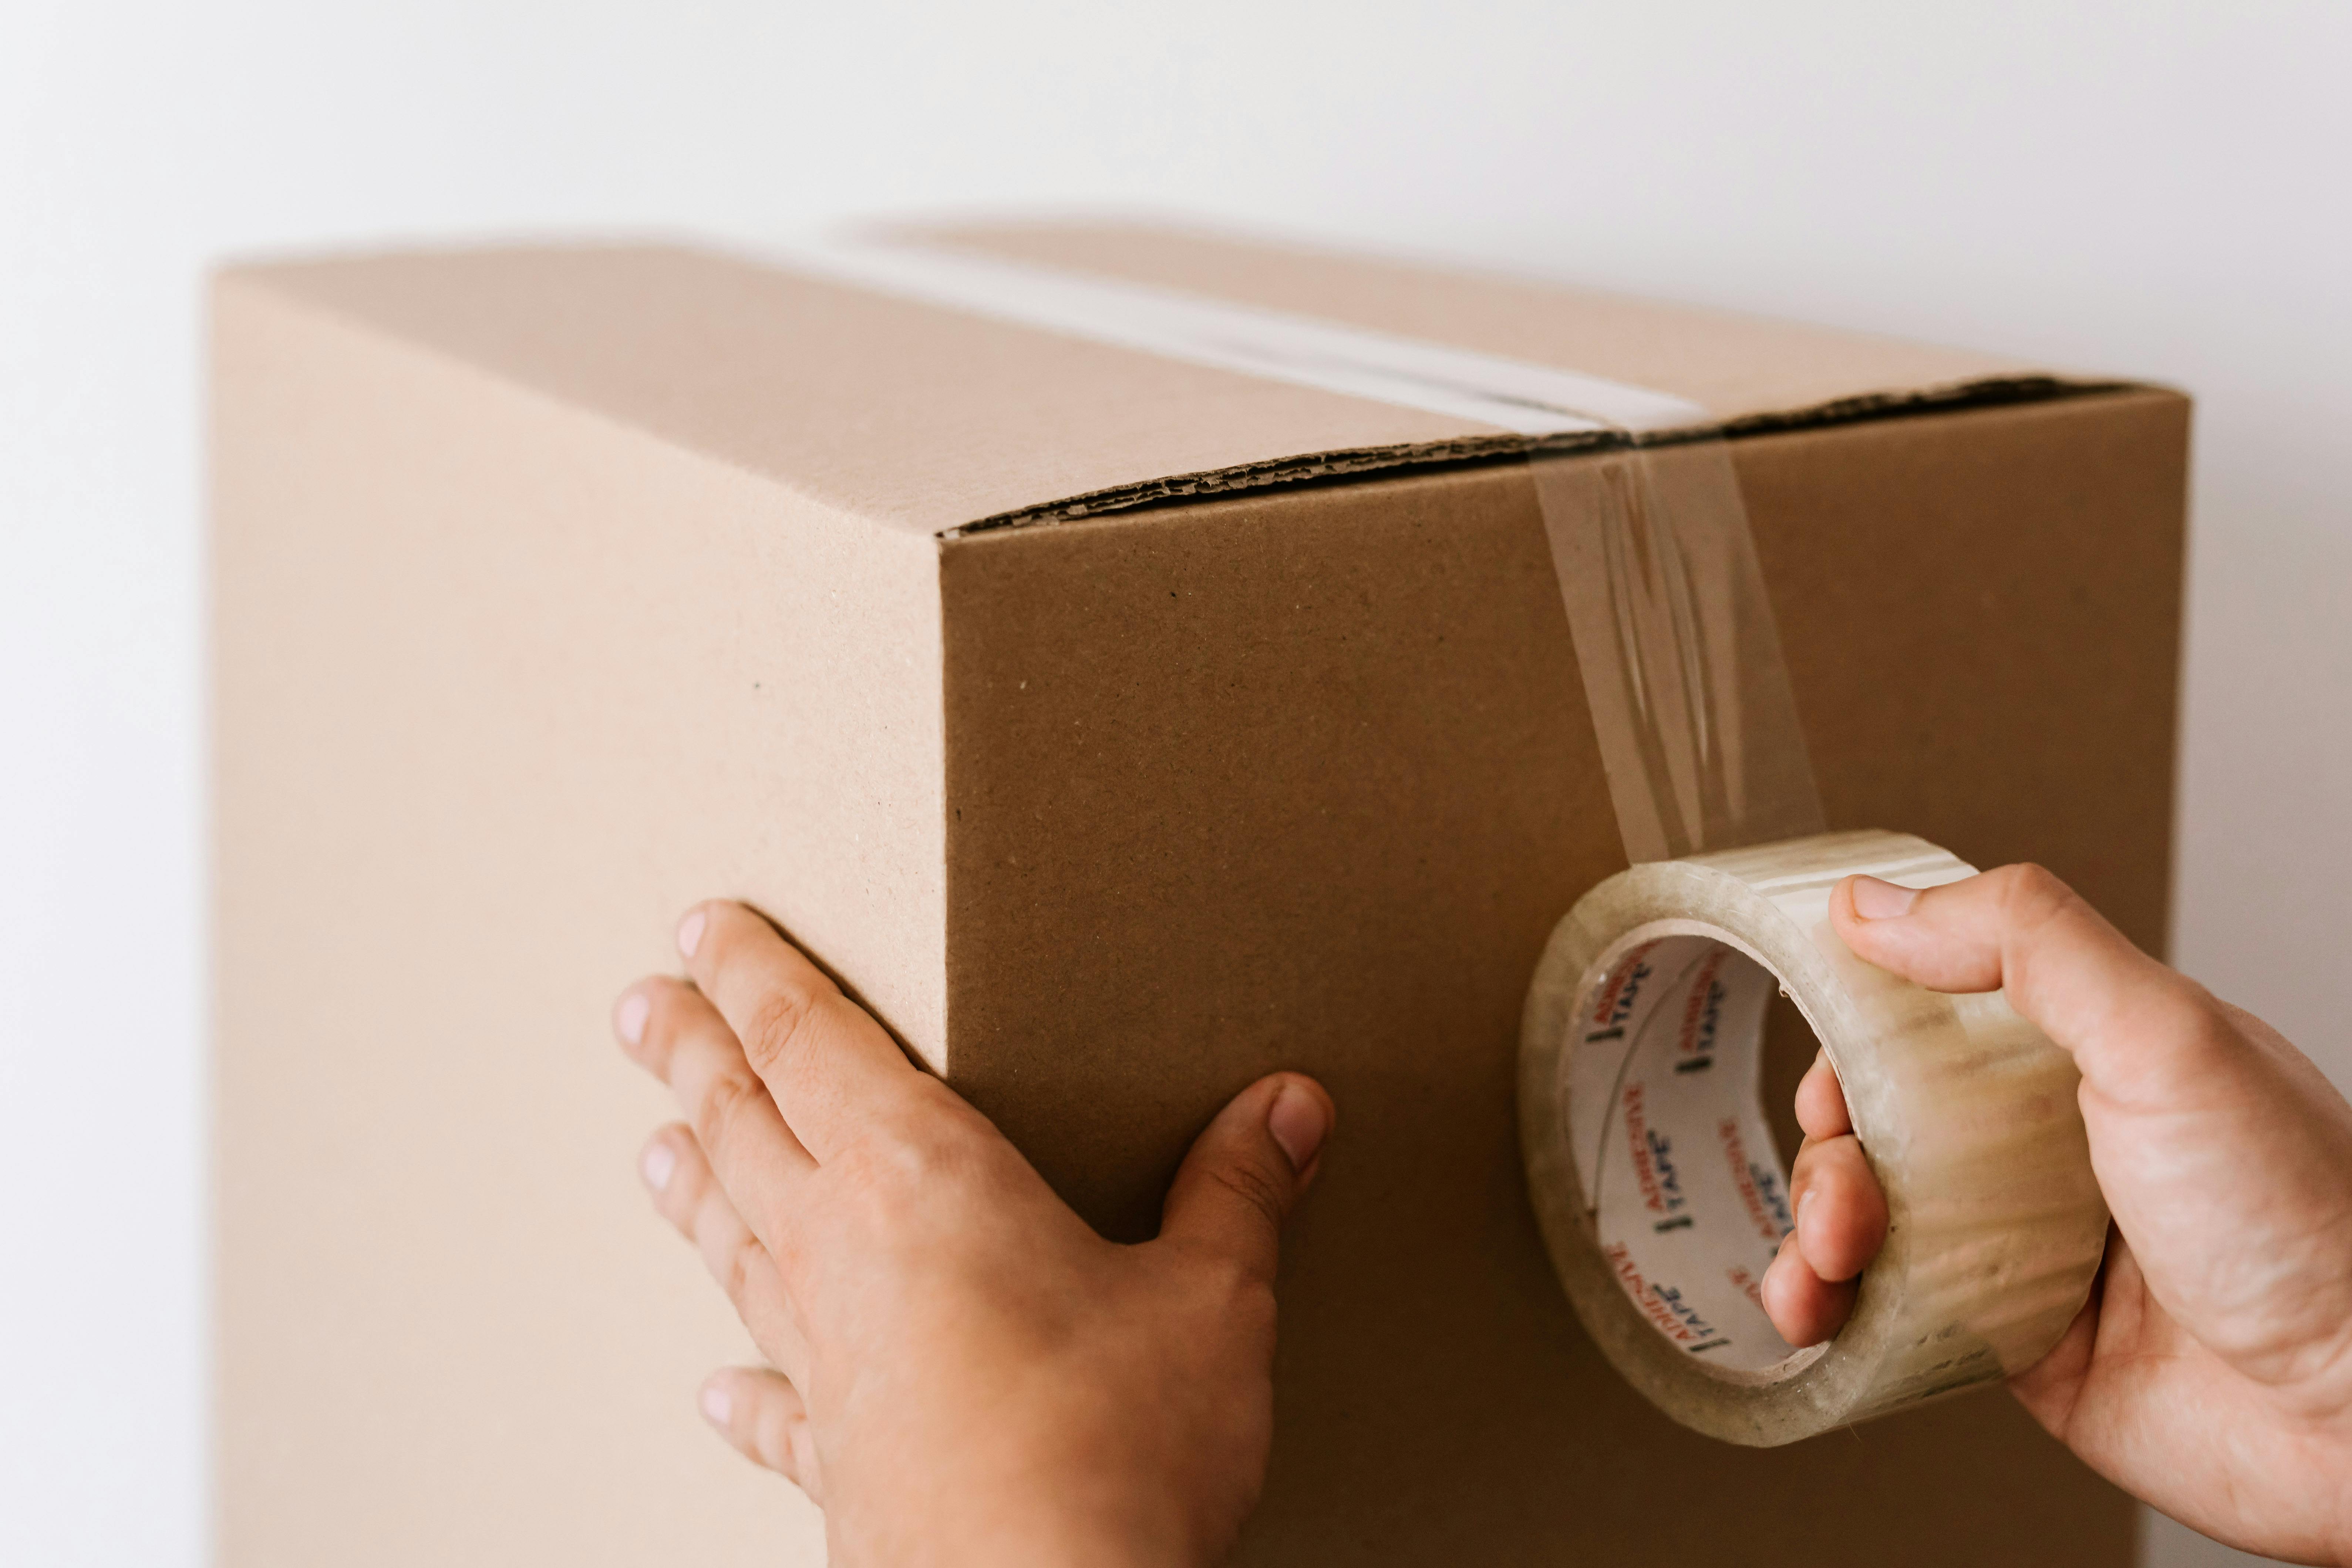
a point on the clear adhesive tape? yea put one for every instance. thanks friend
(1658, 1188)
(1675, 645)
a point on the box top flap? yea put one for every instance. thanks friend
(929, 419)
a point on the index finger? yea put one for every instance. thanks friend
(833, 1071)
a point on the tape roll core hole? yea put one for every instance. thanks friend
(1681, 1086)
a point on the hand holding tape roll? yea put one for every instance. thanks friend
(2209, 1373)
(1662, 1199)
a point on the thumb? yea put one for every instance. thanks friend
(1248, 1169)
(2021, 931)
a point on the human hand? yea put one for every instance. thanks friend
(2211, 1373)
(959, 1368)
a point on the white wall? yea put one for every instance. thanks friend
(2148, 188)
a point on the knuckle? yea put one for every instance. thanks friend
(2032, 896)
(1252, 1186)
(929, 1120)
(1808, 1160)
(2204, 1026)
(919, 1132)
(1818, 1157)
(912, 1153)
(1236, 1291)
(725, 1101)
(737, 1266)
(777, 1024)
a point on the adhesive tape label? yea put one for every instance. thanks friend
(1690, 1200)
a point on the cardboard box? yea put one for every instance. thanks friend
(559, 587)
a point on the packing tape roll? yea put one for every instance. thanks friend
(1661, 1198)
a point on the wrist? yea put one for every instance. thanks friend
(1095, 1510)
(1039, 1531)
(1009, 1506)
(1055, 1535)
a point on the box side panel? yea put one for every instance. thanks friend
(500, 687)
(1304, 780)
(1982, 614)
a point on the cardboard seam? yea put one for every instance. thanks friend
(1473, 451)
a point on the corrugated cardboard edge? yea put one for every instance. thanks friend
(1350, 463)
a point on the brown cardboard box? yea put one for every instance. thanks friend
(559, 587)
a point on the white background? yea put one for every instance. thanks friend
(2156, 190)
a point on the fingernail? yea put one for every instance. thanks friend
(658, 1162)
(717, 1405)
(689, 932)
(1877, 900)
(1296, 1120)
(629, 1017)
